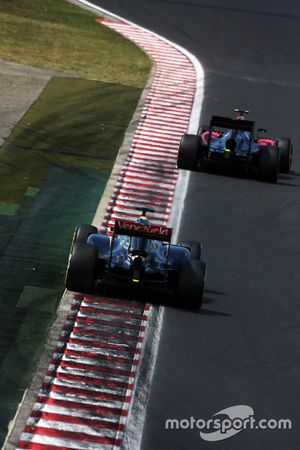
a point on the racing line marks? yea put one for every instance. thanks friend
(85, 397)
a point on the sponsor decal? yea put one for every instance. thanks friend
(129, 228)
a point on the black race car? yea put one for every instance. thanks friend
(233, 142)
(138, 258)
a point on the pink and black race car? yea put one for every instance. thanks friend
(232, 141)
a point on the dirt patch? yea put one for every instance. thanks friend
(20, 86)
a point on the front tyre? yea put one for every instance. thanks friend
(268, 164)
(285, 146)
(188, 152)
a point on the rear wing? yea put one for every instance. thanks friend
(130, 228)
(233, 124)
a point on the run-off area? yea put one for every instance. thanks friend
(53, 170)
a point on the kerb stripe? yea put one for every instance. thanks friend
(84, 401)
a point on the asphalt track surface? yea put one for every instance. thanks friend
(243, 347)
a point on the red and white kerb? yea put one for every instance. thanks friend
(84, 401)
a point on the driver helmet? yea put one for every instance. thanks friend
(138, 243)
(143, 220)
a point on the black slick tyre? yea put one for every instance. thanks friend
(195, 249)
(190, 285)
(268, 164)
(81, 268)
(285, 146)
(82, 232)
(188, 152)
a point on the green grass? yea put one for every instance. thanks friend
(53, 170)
(54, 166)
(57, 35)
(74, 122)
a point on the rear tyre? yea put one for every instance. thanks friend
(268, 164)
(195, 249)
(201, 130)
(188, 152)
(286, 154)
(190, 285)
(82, 233)
(81, 268)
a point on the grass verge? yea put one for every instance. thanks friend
(57, 35)
(53, 168)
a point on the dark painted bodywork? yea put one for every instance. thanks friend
(160, 256)
(235, 143)
(246, 145)
(116, 266)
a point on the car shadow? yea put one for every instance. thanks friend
(214, 292)
(283, 179)
(208, 299)
(212, 312)
(161, 300)
(280, 183)
(242, 174)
